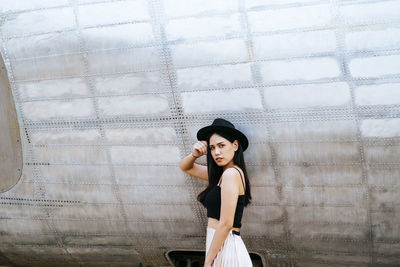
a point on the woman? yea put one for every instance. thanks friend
(227, 194)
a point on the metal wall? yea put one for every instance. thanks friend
(110, 94)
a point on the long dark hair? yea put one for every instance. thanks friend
(215, 171)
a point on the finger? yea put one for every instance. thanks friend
(204, 146)
(196, 147)
(200, 148)
(205, 150)
(200, 145)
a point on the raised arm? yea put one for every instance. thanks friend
(187, 164)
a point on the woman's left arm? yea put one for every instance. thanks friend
(229, 196)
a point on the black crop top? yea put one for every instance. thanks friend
(213, 203)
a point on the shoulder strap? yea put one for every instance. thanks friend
(220, 181)
(241, 178)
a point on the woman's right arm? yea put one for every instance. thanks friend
(187, 164)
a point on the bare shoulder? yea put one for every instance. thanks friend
(231, 175)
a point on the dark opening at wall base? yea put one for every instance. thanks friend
(193, 258)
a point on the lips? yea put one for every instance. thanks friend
(218, 159)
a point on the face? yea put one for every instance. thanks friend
(222, 150)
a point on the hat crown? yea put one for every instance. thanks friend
(222, 122)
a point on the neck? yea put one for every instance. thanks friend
(229, 165)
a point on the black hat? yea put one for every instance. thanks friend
(224, 126)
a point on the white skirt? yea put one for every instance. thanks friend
(233, 252)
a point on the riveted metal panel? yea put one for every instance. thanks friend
(110, 95)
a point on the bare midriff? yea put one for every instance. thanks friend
(213, 223)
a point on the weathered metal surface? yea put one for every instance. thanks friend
(110, 94)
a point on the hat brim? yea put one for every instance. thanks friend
(203, 133)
